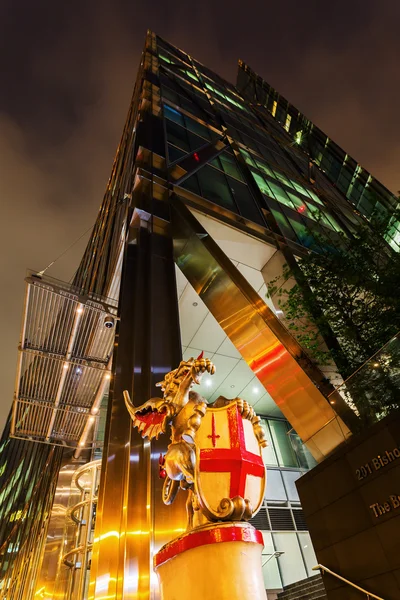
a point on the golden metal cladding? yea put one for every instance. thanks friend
(264, 343)
(132, 521)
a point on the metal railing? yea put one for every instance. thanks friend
(354, 585)
(82, 514)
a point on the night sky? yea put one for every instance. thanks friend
(67, 74)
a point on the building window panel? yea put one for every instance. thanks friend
(290, 477)
(192, 185)
(197, 128)
(170, 95)
(291, 563)
(303, 233)
(246, 155)
(265, 168)
(214, 187)
(308, 552)
(283, 447)
(262, 184)
(272, 578)
(304, 456)
(174, 153)
(177, 136)
(245, 201)
(268, 453)
(275, 490)
(283, 224)
(280, 194)
(173, 115)
(229, 165)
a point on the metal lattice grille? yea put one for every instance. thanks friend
(260, 520)
(63, 366)
(300, 521)
(281, 519)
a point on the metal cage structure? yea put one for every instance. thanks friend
(64, 363)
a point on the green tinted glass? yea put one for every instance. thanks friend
(229, 165)
(280, 194)
(260, 181)
(283, 447)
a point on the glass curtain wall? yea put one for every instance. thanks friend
(258, 171)
(332, 164)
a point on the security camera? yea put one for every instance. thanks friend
(109, 322)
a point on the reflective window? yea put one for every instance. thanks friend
(283, 224)
(174, 115)
(304, 456)
(275, 490)
(303, 233)
(262, 184)
(268, 452)
(177, 135)
(308, 552)
(245, 201)
(279, 194)
(215, 188)
(291, 563)
(283, 447)
(230, 166)
(270, 567)
(289, 477)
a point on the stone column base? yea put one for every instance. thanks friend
(215, 562)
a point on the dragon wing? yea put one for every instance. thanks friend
(150, 418)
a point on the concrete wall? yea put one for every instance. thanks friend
(352, 506)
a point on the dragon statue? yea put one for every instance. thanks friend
(183, 410)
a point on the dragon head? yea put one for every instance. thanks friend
(152, 417)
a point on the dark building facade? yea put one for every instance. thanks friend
(212, 190)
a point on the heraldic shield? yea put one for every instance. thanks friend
(230, 472)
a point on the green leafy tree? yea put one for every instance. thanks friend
(352, 291)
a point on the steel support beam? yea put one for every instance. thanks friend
(271, 352)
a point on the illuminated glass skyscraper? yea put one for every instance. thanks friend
(213, 189)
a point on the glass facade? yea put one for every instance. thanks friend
(281, 518)
(332, 164)
(28, 480)
(260, 175)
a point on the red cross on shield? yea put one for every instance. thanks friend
(229, 461)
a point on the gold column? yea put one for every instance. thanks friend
(271, 352)
(132, 522)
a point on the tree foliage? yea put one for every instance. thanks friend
(352, 291)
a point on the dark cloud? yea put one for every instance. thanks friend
(67, 74)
